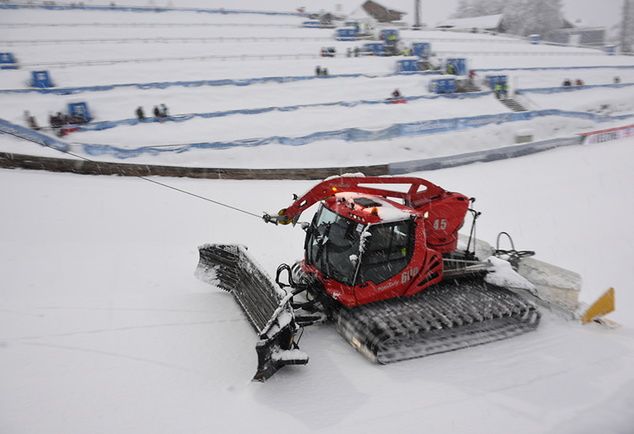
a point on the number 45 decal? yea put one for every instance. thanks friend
(440, 224)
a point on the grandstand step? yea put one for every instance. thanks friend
(513, 105)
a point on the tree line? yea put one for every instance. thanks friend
(526, 17)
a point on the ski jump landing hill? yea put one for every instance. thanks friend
(364, 120)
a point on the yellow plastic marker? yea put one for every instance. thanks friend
(603, 306)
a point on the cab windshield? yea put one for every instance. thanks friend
(353, 253)
(332, 244)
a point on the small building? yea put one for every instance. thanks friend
(442, 85)
(407, 65)
(327, 20)
(456, 66)
(322, 20)
(311, 24)
(373, 49)
(578, 36)
(346, 34)
(389, 36)
(41, 79)
(363, 21)
(492, 80)
(421, 49)
(79, 112)
(486, 23)
(8, 61)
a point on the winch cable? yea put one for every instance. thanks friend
(180, 190)
(161, 184)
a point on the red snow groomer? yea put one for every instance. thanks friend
(384, 264)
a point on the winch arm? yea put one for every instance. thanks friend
(420, 192)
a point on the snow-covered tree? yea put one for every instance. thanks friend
(525, 17)
(477, 8)
(627, 26)
(464, 9)
(521, 17)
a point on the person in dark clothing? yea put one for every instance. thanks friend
(318, 71)
(140, 115)
(163, 109)
(33, 123)
(324, 72)
(396, 93)
(76, 119)
(617, 79)
(567, 83)
(157, 112)
(57, 121)
(472, 75)
(497, 90)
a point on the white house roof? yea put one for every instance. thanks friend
(483, 22)
(360, 14)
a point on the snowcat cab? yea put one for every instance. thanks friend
(364, 248)
(384, 265)
(349, 253)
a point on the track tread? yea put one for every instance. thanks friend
(446, 317)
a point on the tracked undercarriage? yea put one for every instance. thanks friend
(383, 262)
(450, 316)
(461, 312)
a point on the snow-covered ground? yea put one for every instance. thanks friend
(84, 36)
(597, 100)
(337, 153)
(103, 327)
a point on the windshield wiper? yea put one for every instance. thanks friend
(322, 240)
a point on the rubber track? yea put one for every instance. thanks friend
(446, 317)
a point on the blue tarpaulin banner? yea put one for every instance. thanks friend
(104, 125)
(560, 89)
(351, 134)
(32, 135)
(555, 68)
(347, 134)
(263, 80)
(166, 84)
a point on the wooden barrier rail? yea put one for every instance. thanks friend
(13, 161)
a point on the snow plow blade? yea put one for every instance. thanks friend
(449, 316)
(267, 307)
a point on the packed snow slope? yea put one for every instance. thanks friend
(103, 327)
(87, 48)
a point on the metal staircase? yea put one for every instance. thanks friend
(513, 105)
